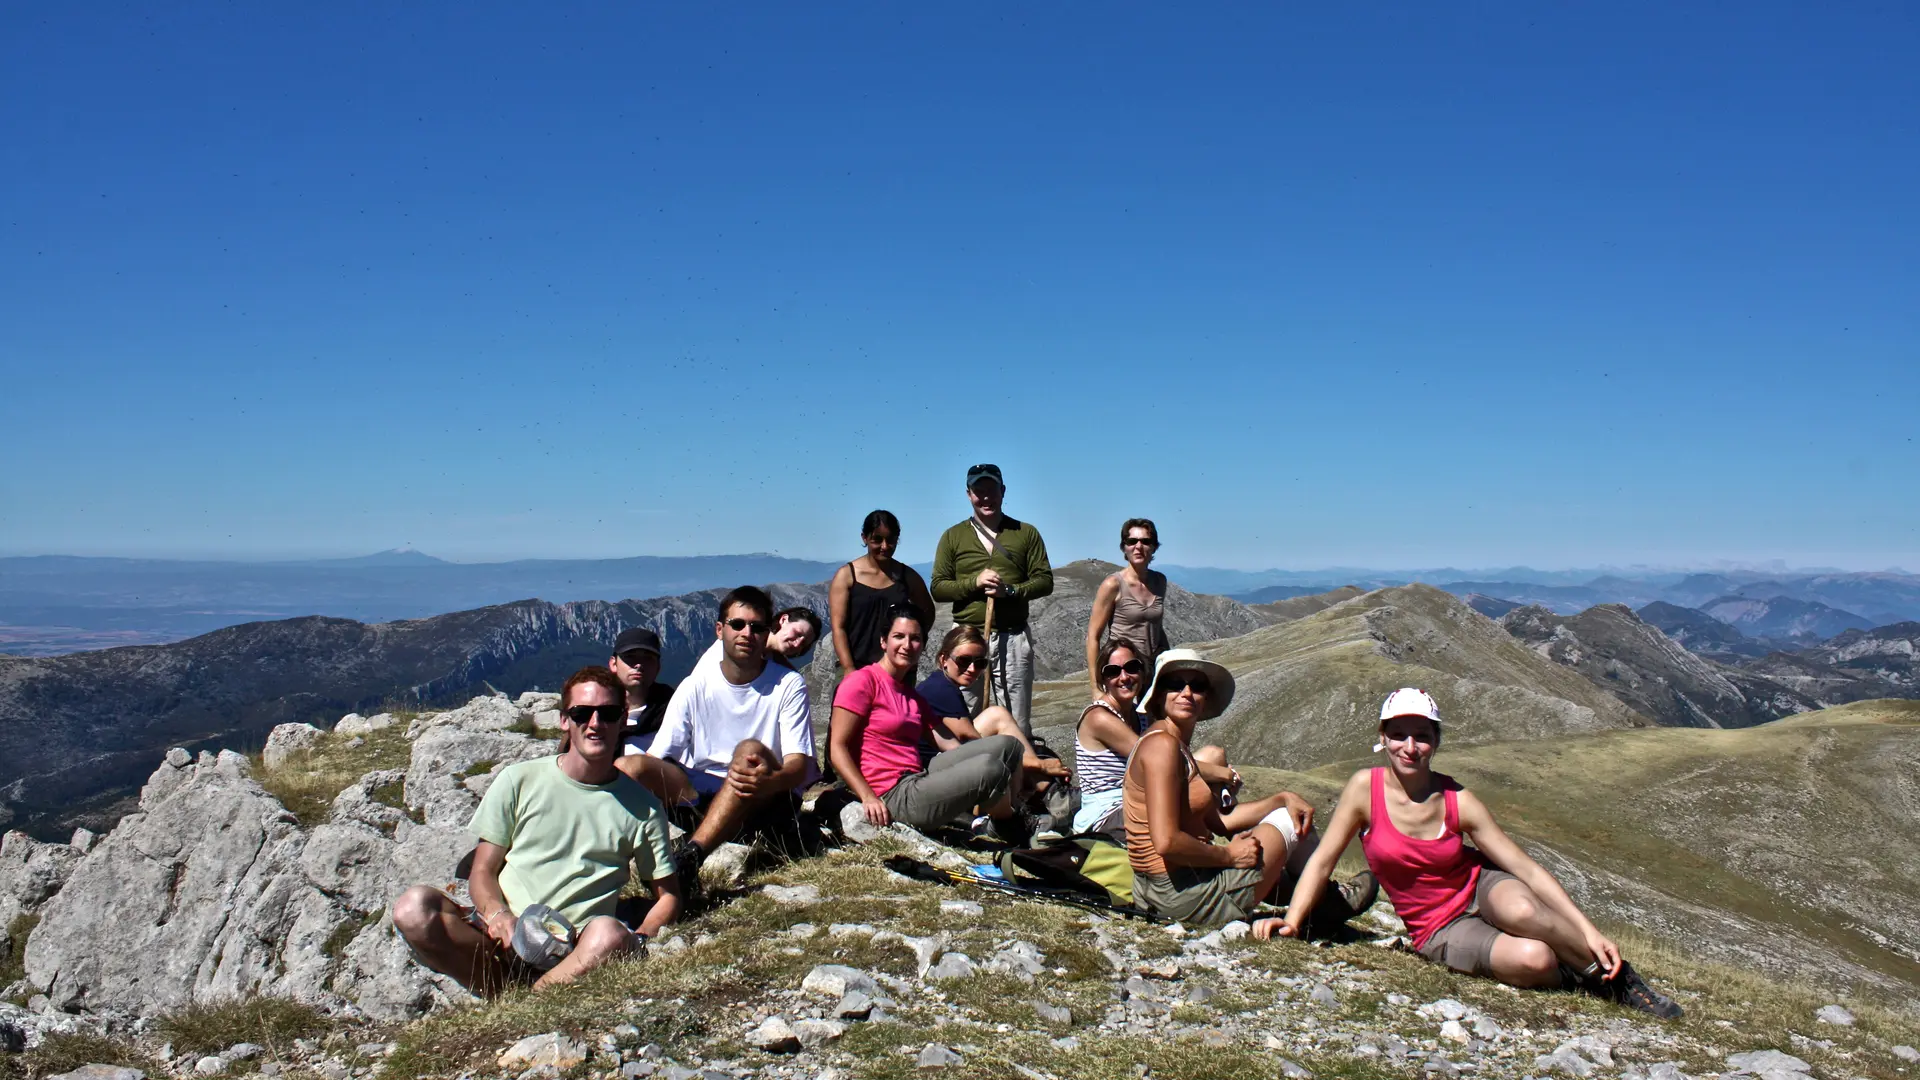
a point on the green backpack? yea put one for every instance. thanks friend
(1089, 863)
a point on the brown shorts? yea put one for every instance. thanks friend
(1466, 943)
(1201, 897)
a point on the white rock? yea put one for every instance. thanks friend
(968, 909)
(935, 1056)
(83, 840)
(1566, 1061)
(834, 980)
(243, 1051)
(775, 1036)
(287, 740)
(1485, 1028)
(553, 1049)
(1324, 995)
(841, 929)
(726, 868)
(1447, 1009)
(1236, 930)
(1666, 1070)
(547, 720)
(355, 724)
(1834, 1014)
(1764, 1061)
(101, 1072)
(210, 1066)
(953, 965)
(1595, 1050)
(814, 1033)
(855, 826)
(1906, 1053)
(1455, 1032)
(793, 895)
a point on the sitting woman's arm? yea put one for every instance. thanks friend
(1477, 824)
(1101, 729)
(1165, 775)
(844, 733)
(1348, 819)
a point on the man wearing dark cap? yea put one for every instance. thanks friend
(636, 660)
(991, 554)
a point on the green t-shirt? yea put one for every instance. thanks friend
(568, 843)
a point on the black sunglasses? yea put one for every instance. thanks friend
(1112, 671)
(742, 624)
(1182, 680)
(1135, 541)
(636, 657)
(608, 714)
(968, 663)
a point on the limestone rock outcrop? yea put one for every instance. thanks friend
(213, 890)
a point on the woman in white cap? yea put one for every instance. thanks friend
(1485, 909)
(1172, 811)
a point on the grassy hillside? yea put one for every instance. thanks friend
(1309, 689)
(1785, 848)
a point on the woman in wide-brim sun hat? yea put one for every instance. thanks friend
(1172, 806)
(1485, 909)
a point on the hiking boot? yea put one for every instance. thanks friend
(1629, 989)
(1345, 901)
(687, 860)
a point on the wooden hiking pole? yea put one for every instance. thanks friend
(986, 693)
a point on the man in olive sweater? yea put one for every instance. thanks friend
(991, 554)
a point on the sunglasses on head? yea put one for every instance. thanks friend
(756, 625)
(608, 714)
(1131, 667)
(1184, 680)
(968, 663)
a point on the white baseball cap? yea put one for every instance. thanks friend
(1408, 701)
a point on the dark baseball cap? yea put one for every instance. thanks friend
(637, 637)
(984, 472)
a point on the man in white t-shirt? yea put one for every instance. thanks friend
(737, 741)
(796, 631)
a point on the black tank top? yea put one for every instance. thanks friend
(866, 610)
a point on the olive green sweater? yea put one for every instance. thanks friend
(958, 559)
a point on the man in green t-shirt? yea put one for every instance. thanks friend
(992, 554)
(555, 831)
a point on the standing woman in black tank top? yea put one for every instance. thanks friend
(864, 590)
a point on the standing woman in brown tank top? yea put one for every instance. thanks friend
(866, 589)
(1131, 602)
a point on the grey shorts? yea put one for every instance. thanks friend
(1212, 896)
(979, 773)
(1466, 943)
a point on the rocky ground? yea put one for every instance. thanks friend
(827, 967)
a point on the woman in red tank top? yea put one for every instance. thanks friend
(1486, 909)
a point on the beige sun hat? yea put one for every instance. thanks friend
(1188, 660)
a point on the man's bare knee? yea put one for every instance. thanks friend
(604, 937)
(753, 750)
(416, 910)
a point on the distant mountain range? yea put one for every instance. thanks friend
(59, 604)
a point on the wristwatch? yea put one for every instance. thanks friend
(1012, 590)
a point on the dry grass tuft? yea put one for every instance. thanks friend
(307, 782)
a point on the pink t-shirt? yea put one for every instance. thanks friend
(897, 721)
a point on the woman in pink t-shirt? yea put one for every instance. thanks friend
(879, 724)
(1485, 909)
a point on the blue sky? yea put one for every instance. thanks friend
(1400, 286)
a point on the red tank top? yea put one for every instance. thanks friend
(1430, 882)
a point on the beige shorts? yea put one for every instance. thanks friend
(1466, 943)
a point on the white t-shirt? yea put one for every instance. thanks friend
(709, 716)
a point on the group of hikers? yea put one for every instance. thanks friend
(728, 753)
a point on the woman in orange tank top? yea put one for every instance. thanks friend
(1170, 800)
